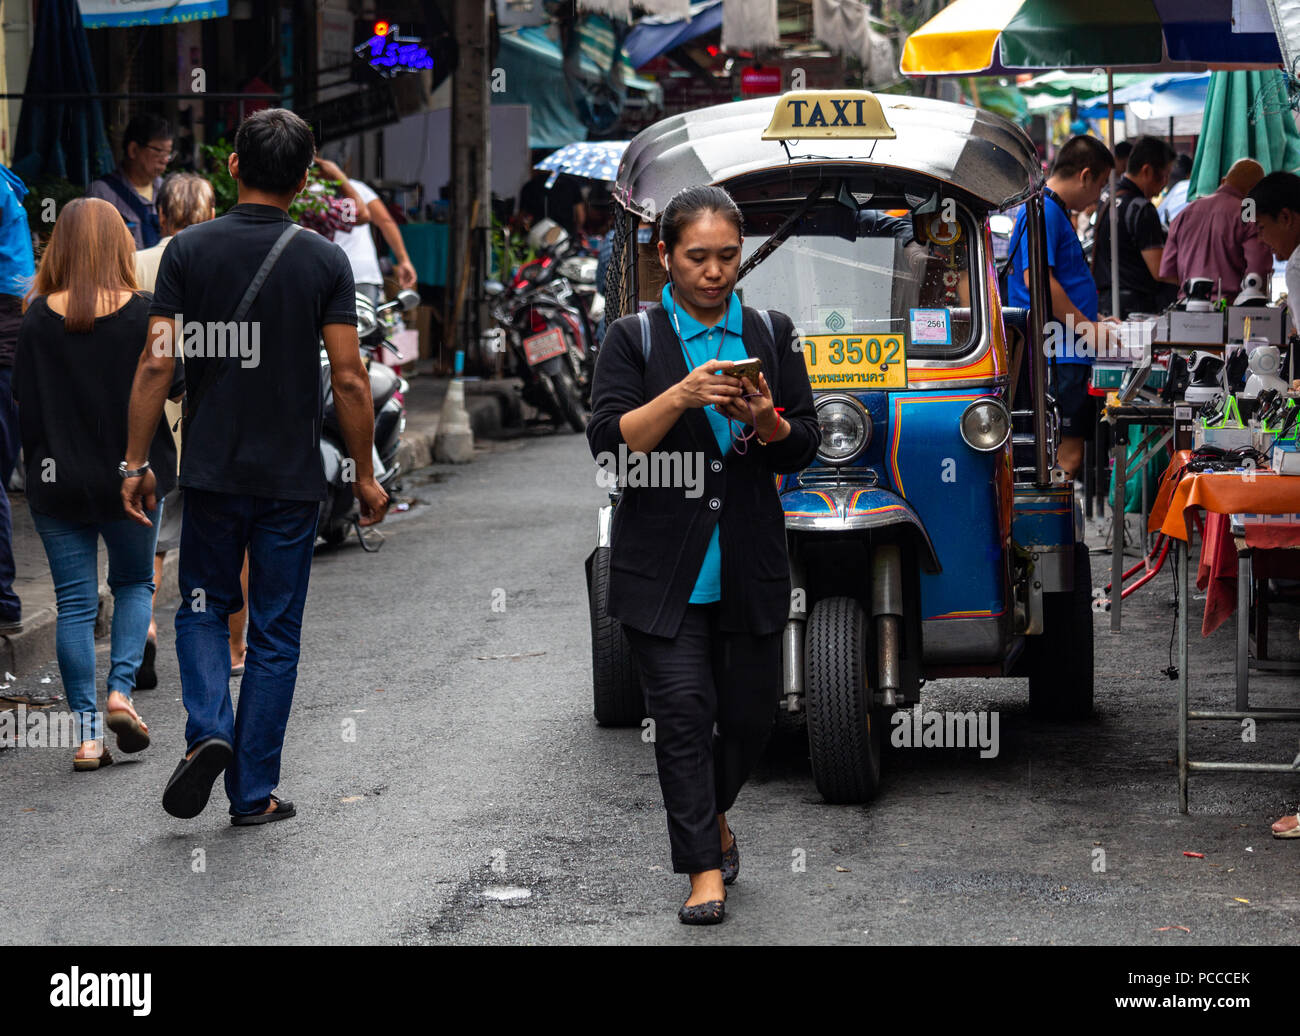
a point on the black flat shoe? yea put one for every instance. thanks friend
(730, 862)
(146, 677)
(190, 785)
(711, 912)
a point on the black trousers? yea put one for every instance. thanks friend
(712, 696)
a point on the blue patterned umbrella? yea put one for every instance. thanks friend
(592, 159)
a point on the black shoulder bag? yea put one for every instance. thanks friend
(212, 374)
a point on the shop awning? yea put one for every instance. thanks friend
(113, 14)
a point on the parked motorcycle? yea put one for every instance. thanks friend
(546, 335)
(339, 514)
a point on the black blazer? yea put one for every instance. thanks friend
(660, 535)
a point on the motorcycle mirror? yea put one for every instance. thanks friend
(493, 288)
(408, 299)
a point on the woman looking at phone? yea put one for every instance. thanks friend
(699, 574)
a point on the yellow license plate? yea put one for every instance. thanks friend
(850, 362)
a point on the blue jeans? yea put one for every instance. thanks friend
(279, 536)
(11, 609)
(73, 552)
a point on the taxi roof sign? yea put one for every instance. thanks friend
(843, 114)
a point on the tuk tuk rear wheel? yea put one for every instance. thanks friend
(1060, 660)
(844, 730)
(616, 687)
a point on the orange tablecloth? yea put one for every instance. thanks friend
(1262, 492)
(1223, 494)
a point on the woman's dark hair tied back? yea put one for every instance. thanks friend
(688, 204)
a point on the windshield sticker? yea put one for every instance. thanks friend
(834, 319)
(931, 327)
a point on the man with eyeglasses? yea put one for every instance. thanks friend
(132, 188)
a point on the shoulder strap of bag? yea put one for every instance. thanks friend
(214, 371)
(767, 323)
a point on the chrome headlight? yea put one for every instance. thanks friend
(846, 428)
(986, 425)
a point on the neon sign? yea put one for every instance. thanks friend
(390, 54)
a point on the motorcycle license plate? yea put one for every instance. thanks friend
(855, 361)
(543, 346)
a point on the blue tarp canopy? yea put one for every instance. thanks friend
(651, 37)
(533, 70)
(1159, 97)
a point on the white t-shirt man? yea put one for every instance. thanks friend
(359, 246)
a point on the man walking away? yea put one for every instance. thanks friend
(132, 188)
(251, 465)
(1141, 235)
(1210, 239)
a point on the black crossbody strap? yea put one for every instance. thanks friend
(215, 370)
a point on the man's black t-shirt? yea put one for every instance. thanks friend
(1139, 229)
(73, 392)
(257, 428)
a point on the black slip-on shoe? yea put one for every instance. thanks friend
(146, 677)
(731, 862)
(190, 785)
(711, 912)
(283, 811)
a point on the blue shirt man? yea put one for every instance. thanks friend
(1069, 268)
(1082, 166)
(701, 343)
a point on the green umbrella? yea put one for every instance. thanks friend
(1247, 115)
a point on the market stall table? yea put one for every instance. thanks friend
(1247, 493)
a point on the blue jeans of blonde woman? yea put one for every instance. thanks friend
(73, 552)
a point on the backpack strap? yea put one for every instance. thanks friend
(643, 318)
(767, 322)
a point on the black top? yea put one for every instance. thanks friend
(1139, 229)
(659, 535)
(73, 391)
(256, 430)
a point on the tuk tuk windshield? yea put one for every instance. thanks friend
(895, 265)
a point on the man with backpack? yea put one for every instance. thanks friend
(247, 298)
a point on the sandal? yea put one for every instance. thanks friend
(1290, 832)
(730, 860)
(82, 763)
(710, 912)
(146, 677)
(283, 811)
(132, 732)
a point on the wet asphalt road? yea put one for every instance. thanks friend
(476, 772)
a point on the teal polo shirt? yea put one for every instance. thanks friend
(702, 344)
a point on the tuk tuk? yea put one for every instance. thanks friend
(933, 536)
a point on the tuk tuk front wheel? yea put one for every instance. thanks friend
(844, 730)
(1060, 660)
(616, 687)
